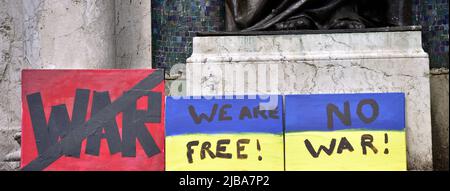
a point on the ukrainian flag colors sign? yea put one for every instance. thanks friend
(315, 132)
(345, 132)
(224, 134)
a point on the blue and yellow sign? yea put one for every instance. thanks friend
(345, 132)
(224, 134)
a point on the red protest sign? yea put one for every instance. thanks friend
(94, 120)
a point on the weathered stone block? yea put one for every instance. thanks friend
(358, 62)
(439, 117)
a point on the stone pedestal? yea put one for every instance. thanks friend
(366, 61)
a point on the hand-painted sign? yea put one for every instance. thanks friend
(345, 132)
(223, 134)
(93, 120)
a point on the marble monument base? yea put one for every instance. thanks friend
(365, 61)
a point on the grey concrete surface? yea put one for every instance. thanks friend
(64, 34)
(439, 109)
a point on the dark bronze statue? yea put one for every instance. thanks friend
(259, 15)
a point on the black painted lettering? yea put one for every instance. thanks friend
(344, 145)
(110, 131)
(190, 151)
(273, 114)
(38, 121)
(241, 148)
(366, 141)
(245, 113)
(59, 125)
(133, 127)
(223, 113)
(344, 117)
(375, 110)
(257, 111)
(79, 113)
(221, 148)
(198, 119)
(315, 154)
(206, 146)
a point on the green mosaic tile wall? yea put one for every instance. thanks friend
(433, 16)
(175, 22)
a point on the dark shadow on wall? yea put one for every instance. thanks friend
(439, 118)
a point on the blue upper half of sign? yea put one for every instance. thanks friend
(219, 116)
(345, 112)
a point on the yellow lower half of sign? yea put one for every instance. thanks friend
(390, 151)
(225, 152)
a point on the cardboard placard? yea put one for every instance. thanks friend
(224, 134)
(93, 120)
(345, 132)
